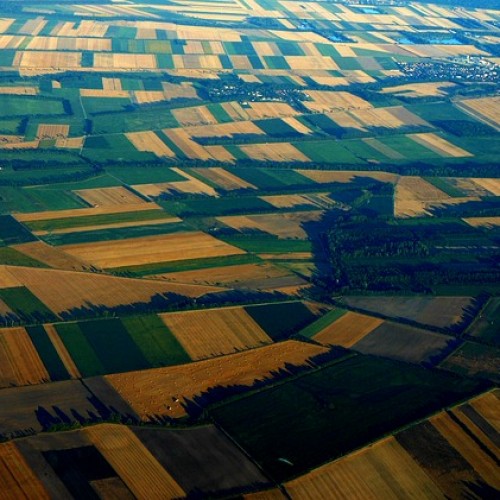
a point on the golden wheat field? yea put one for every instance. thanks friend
(348, 329)
(485, 108)
(205, 334)
(282, 151)
(223, 178)
(106, 197)
(439, 145)
(163, 391)
(149, 141)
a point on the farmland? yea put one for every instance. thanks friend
(249, 249)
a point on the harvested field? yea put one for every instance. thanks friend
(223, 178)
(109, 197)
(105, 93)
(279, 151)
(439, 145)
(286, 225)
(62, 351)
(205, 334)
(225, 129)
(491, 185)
(42, 61)
(441, 312)
(149, 391)
(383, 148)
(21, 90)
(111, 84)
(151, 249)
(178, 91)
(261, 110)
(48, 131)
(486, 222)
(70, 143)
(108, 62)
(371, 472)
(20, 363)
(149, 96)
(483, 463)
(427, 89)
(133, 462)
(17, 479)
(486, 109)
(320, 200)
(180, 137)
(326, 101)
(487, 406)
(63, 291)
(52, 256)
(330, 176)
(220, 153)
(404, 343)
(195, 116)
(348, 329)
(149, 141)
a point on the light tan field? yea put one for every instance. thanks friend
(112, 196)
(105, 93)
(279, 151)
(182, 90)
(111, 84)
(133, 462)
(163, 391)
(62, 351)
(52, 256)
(17, 479)
(84, 212)
(487, 406)
(21, 145)
(45, 60)
(70, 143)
(205, 334)
(20, 363)
(487, 222)
(220, 153)
(226, 275)
(261, 110)
(320, 200)
(197, 115)
(283, 225)
(48, 131)
(383, 148)
(491, 185)
(149, 96)
(439, 145)
(484, 465)
(326, 100)
(151, 249)
(348, 329)
(298, 126)
(8, 138)
(223, 178)
(224, 129)
(19, 90)
(427, 89)
(62, 291)
(413, 196)
(105, 61)
(190, 148)
(371, 472)
(149, 141)
(486, 109)
(235, 111)
(327, 176)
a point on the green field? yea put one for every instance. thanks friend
(25, 305)
(321, 323)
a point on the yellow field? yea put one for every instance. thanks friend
(151, 249)
(205, 334)
(52, 256)
(286, 225)
(484, 465)
(487, 222)
(326, 100)
(439, 145)
(48, 131)
(190, 148)
(48, 60)
(19, 90)
(71, 143)
(17, 479)
(261, 110)
(133, 462)
(163, 391)
(224, 179)
(111, 83)
(182, 90)
(320, 200)
(104, 93)
(491, 185)
(348, 329)
(484, 108)
(109, 197)
(149, 96)
(224, 129)
(197, 115)
(427, 89)
(107, 62)
(279, 151)
(19, 360)
(149, 141)
(220, 153)
(62, 291)
(372, 472)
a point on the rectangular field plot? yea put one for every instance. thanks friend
(317, 417)
(205, 334)
(11, 232)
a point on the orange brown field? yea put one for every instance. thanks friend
(348, 329)
(198, 115)
(320, 200)
(180, 137)
(468, 447)
(487, 222)
(163, 391)
(46, 60)
(439, 145)
(149, 141)
(112, 196)
(279, 151)
(372, 472)
(70, 143)
(52, 256)
(226, 180)
(487, 406)
(275, 494)
(63, 291)
(17, 479)
(285, 225)
(20, 363)
(491, 185)
(47, 131)
(151, 249)
(133, 462)
(205, 334)
(326, 100)
(224, 129)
